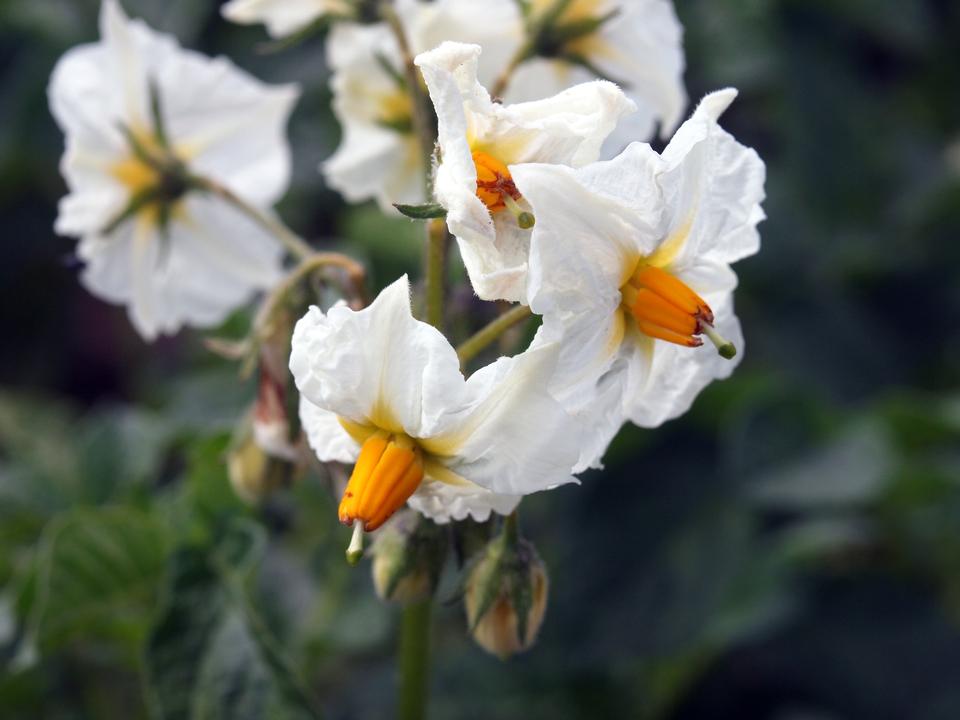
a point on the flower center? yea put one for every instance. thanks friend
(665, 308)
(388, 471)
(396, 111)
(496, 189)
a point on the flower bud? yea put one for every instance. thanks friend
(506, 597)
(253, 473)
(408, 555)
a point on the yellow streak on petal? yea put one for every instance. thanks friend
(670, 248)
(435, 470)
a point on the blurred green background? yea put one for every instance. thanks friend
(789, 550)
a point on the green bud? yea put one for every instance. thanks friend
(408, 555)
(506, 596)
(253, 473)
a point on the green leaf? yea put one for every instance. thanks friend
(98, 576)
(209, 655)
(426, 211)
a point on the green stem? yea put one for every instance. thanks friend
(435, 271)
(294, 244)
(414, 661)
(482, 338)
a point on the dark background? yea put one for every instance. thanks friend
(789, 550)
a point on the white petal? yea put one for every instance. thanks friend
(495, 25)
(373, 162)
(640, 48)
(231, 126)
(584, 244)
(513, 437)
(713, 187)
(281, 17)
(444, 503)
(378, 365)
(326, 435)
(212, 260)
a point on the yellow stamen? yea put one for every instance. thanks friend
(673, 290)
(387, 472)
(665, 308)
(494, 182)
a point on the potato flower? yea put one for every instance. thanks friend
(637, 44)
(385, 392)
(630, 268)
(482, 141)
(143, 119)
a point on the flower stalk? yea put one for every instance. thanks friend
(476, 344)
(414, 661)
(294, 244)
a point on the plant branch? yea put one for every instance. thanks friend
(482, 338)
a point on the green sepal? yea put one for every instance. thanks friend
(427, 211)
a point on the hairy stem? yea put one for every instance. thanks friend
(414, 661)
(435, 271)
(294, 244)
(484, 337)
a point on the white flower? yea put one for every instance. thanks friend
(172, 256)
(380, 155)
(481, 142)
(283, 17)
(384, 390)
(639, 46)
(630, 265)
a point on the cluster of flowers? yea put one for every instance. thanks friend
(174, 160)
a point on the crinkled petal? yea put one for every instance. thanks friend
(443, 503)
(512, 437)
(584, 244)
(713, 187)
(377, 366)
(326, 435)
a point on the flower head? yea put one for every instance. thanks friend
(637, 44)
(653, 238)
(384, 391)
(481, 141)
(142, 117)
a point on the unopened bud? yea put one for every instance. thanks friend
(408, 555)
(506, 597)
(253, 473)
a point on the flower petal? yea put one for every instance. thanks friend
(443, 503)
(512, 436)
(713, 184)
(326, 435)
(377, 366)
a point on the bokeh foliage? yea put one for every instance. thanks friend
(790, 549)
